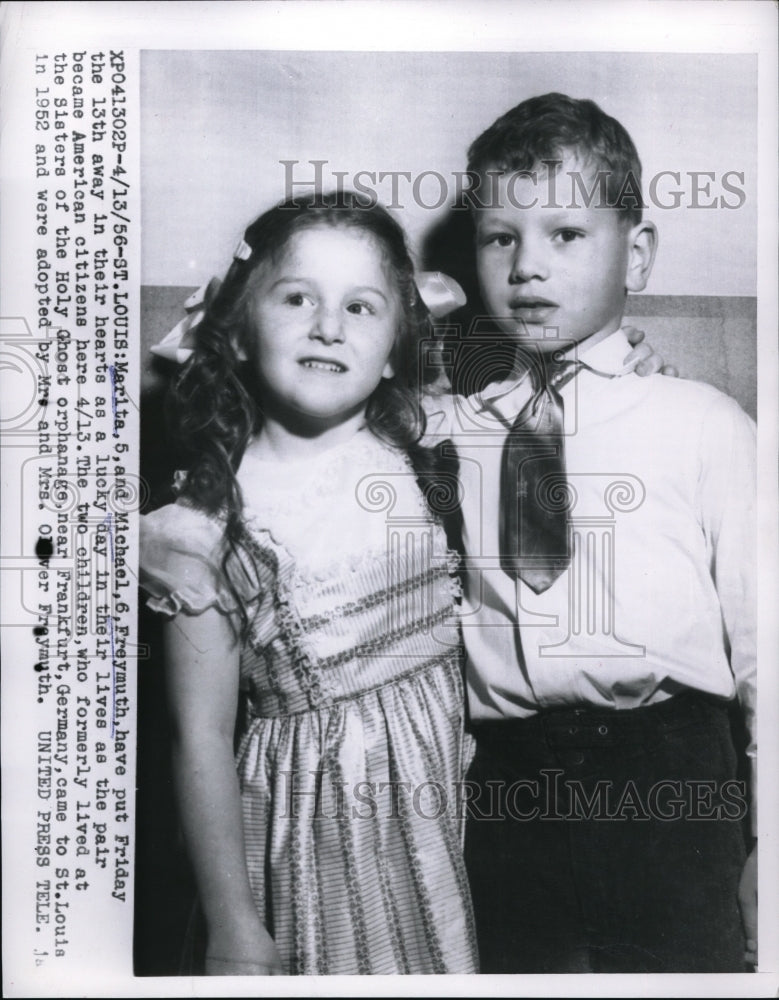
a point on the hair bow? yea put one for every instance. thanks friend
(178, 344)
(440, 293)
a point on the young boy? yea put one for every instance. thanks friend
(603, 830)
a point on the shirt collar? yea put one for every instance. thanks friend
(607, 357)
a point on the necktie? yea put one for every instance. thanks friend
(534, 542)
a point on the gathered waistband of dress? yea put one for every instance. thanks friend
(319, 699)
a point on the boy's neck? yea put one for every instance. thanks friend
(596, 338)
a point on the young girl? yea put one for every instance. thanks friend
(331, 842)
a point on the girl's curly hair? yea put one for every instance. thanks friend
(214, 406)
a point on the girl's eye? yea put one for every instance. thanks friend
(361, 309)
(295, 299)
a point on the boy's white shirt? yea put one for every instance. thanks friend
(664, 474)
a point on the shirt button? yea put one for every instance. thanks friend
(603, 730)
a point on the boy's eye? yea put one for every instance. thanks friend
(499, 239)
(361, 309)
(569, 235)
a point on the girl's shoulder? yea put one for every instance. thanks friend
(179, 529)
(182, 523)
(181, 562)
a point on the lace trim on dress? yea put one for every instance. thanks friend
(176, 601)
(378, 597)
(279, 499)
(301, 581)
(307, 671)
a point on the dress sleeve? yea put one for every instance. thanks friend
(181, 564)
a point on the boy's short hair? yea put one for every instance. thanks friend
(545, 128)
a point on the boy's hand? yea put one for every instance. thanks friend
(747, 901)
(649, 361)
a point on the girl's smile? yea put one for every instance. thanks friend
(323, 365)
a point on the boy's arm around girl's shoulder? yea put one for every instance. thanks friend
(202, 664)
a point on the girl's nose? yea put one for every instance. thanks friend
(328, 326)
(528, 263)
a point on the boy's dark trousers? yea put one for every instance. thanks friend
(608, 841)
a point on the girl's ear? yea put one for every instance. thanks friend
(390, 367)
(642, 247)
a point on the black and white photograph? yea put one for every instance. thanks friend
(390, 423)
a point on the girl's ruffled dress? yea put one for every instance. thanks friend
(352, 749)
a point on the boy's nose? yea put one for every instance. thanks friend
(527, 264)
(328, 326)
